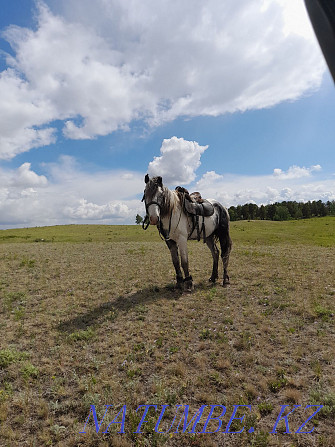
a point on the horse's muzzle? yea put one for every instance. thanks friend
(154, 220)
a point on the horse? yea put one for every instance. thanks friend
(166, 210)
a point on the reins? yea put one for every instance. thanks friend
(146, 222)
(165, 237)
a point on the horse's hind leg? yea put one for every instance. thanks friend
(182, 243)
(175, 259)
(215, 254)
(225, 243)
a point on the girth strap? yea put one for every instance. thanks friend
(195, 226)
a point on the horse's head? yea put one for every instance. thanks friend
(153, 198)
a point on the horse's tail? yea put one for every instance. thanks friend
(222, 231)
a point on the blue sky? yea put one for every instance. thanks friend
(233, 99)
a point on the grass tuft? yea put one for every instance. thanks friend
(82, 335)
(9, 356)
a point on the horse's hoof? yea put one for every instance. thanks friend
(189, 287)
(226, 283)
(212, 280)
(180, 283)
(188, 284)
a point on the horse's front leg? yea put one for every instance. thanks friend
(175, 259)
(182, 244)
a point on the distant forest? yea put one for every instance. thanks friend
(282, 210)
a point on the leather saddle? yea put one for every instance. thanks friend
(194, 204)
(203, 208)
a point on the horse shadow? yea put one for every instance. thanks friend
(123, 303)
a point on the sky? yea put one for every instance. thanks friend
(232, 99)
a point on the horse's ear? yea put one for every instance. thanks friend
(146, 178)
(160, 181)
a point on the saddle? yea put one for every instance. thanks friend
(196, 206)
(200, 207)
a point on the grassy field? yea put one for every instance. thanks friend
(89, 316)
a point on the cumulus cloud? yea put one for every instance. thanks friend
(97, 66)
(87, 210)
(178, 161)
(297, 183)
(208, 178)
(23, 111)
(295, 172)
(66, 194)
(62, 71)
(25, 177)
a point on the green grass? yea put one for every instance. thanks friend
(79, 233)
(82, 335)
(29, 371)
(315, 231)
(89, 316)
(9, 356)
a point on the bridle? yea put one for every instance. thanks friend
(146, 222)
(164, 235)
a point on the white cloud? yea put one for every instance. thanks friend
(22, 111)
(208, 178)
(297, 183)
(295, 18)
(66, 194)
(178, 161)
(97, 66)
(295, 172)
(88, 210)
(25, 177)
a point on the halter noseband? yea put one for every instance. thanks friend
(146, 221)
(164, 234)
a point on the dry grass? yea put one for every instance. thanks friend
(100, 323)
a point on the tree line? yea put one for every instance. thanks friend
(282, 210)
